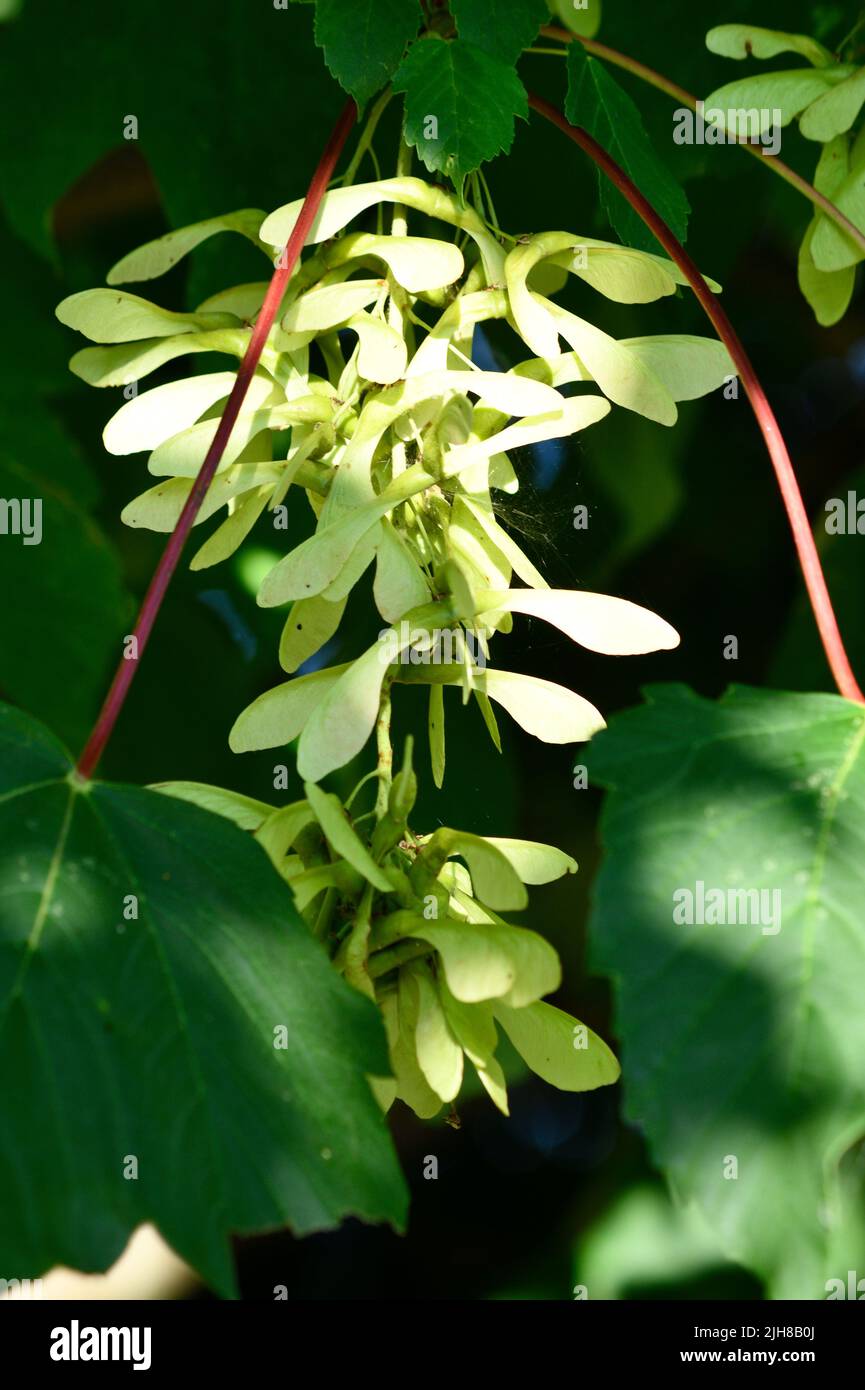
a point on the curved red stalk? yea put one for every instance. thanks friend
(168, 562)
(809, 560)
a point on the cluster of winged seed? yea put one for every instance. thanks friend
(368, 403)
(419, 932)
(826, 97)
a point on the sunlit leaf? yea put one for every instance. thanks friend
(534, 862)
(597, 621)
(157, 257)
(310, 624)
(749, 41)
(342, 837)
(493, 960)
(559, 1048)
(494, 878)
(244, 811)
(278, 715)
(834, 113)
(113, 316)
(439, 1055)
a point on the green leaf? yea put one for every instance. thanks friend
(460, 105)
(749, 41)
(244, 811)
(397, 1006)
(415, 262)
(622, 375)
(332, 305)
(363, 40)
(146, 421)
(596, 101)
(234, 529)
(382, 352)
(583, 18)
(181, 455)
(534, 862)
(494, 879)
(599, 622)
(741, 1040)
(834, 113)
(341, 205)
(278, 715)
(400, 584)
(436, 723)
(148, 957)
(549, 711)
(343, 838)
(159, 508)
(113, 316)
(828, 291)
(310, 624)
(122, 364)
(157, 257)
(500, 27)
(439, 1055)
(777, 97)
(559, 1048)
(278, 833)
(831, 248)
(688, 366)
(493, 960)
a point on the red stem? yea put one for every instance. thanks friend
(116, 696)
(809, 560)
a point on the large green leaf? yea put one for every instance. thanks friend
(460, 105)
(597, 102)
(149, 957)
(363, 40)
(501, 27)
(742, 1041)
